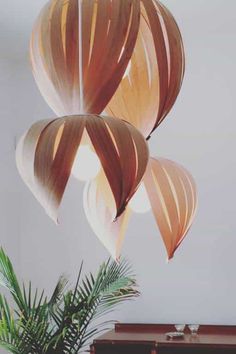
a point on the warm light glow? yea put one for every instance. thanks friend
(140, 201)
(128, 69)
(86, 165)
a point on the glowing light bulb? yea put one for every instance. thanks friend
(86, 165)
(140, 202)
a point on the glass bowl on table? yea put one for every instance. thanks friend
(178, 334)
(193, 329)
(180, 328)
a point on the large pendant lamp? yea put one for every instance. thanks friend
(111, 70)
(124, 56)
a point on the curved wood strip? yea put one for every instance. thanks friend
(25, 152)
(57, 49)
(127, 155)
(191, 196)
(46, 56)
(161, 54)
(52, 174)
(123, 153)
(137, 98)
(38, 59)
(165, 191)
(177, 58)
(178, 192)
(142, 153)
(158, 207)
(173, 197)
(149, 89)
(72, 55)
(123, 30)
(100, 210)
(108, 155)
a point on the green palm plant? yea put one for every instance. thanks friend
(66, 322)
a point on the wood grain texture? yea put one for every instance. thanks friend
(155, 73)
(100, 210)
(46, 154)
(127, 338)
(79, 70)
(75, 63)
(173, 197)
(172, 194)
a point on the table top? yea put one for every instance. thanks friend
(214, 336)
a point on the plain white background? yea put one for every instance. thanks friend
(199, 285)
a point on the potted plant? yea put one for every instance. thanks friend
(66, 322)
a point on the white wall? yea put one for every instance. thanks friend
(199, 285)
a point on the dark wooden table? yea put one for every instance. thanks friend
(151, 339)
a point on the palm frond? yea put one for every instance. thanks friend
(69, 320)
(57, 296)
(10, 336)
(113, 284)
(9, 280)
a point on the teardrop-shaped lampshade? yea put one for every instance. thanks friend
(100, 209)
(80, 50)
(172, 193)
(154, 75)
(46, 154)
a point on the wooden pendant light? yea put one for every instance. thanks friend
(155, 73)
(100, 209)
(172, 193)
(46, 154)
(80, 50)
(124, 57)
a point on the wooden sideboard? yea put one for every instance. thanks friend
(151, 339)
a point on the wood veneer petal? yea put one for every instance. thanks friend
(75, 63)
(149, 89)
(53, 169)
(100, 210)
(123, 153)
(47, 152)
(173, 197)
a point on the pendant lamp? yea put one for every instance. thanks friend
(167, 189)
(47, 152)
(111, 70)
(124, 56)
